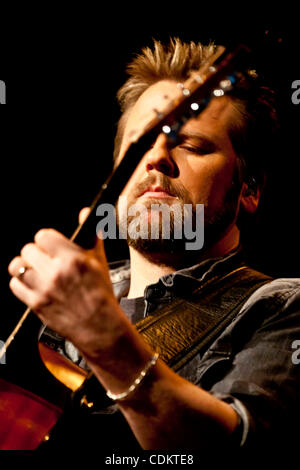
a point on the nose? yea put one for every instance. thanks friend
(159, 158)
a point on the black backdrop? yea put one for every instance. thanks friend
(62, 72)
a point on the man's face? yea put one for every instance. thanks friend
(200, 169)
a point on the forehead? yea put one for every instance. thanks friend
(213, 121)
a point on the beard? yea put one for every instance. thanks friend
(157, 237)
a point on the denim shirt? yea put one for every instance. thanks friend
(252, 365)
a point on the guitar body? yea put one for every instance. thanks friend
(26, 419)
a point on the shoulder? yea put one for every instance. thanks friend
(281, 292)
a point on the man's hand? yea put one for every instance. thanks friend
(69, 289)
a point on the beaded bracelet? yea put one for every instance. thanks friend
(136, 383)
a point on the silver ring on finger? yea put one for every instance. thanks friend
(21, 271)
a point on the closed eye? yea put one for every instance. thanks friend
(196, 143)
(197, 150)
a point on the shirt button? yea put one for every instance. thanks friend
(168, 280)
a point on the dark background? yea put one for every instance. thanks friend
(62, 70)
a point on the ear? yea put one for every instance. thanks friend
(249, 198)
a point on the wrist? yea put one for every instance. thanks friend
(100, 337)
(117, 360)
(136, 382)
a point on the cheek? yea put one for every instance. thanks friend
(208, 179)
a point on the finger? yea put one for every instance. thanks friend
(29, 277)
(83, 214)
(15, 265)
(54, 243)
(23, 293)
(36, 258)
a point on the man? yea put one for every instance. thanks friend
(242, 389)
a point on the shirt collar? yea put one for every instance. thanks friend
(200, 271)
(191, 276)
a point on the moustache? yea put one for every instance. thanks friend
(174, 189)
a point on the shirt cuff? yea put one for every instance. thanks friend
(242, 431)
